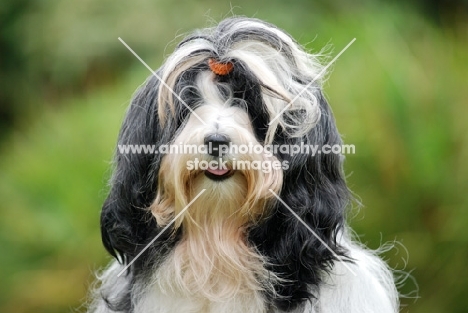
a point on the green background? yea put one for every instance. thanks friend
(399, 94)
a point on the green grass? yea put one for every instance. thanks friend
(398, 95)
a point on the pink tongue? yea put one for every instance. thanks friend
(218, 172)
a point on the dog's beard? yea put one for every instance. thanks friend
(214, 259)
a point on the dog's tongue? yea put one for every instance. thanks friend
(217, 172)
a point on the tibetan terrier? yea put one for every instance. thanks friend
(226, 226)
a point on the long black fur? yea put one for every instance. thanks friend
(314, 186)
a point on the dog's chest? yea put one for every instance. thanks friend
(208, 274)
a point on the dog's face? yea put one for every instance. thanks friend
(210, 137)
(236, 231)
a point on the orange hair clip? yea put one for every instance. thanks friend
(220, 68)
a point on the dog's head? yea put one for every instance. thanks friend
(242, 83)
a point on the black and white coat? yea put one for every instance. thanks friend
(237, 249)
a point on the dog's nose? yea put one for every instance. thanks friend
(217, 144)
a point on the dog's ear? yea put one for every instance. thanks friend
(126, 224)
(314, 188)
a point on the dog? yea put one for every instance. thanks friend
(196, 232)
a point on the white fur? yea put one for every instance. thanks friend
(371, 290)
(212, 269)
(267, 63)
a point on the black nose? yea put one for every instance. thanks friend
(217, 144)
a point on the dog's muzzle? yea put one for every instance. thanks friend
(217, 146)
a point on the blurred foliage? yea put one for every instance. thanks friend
(399, 95)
